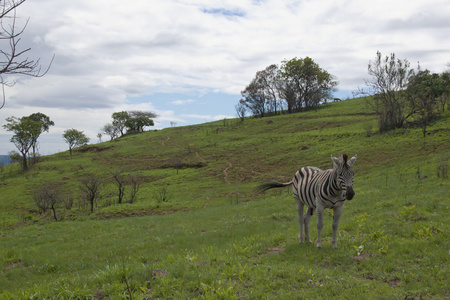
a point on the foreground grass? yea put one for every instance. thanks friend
(214, 239)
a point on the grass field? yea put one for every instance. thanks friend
(197, 230)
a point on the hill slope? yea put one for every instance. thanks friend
(200, 231)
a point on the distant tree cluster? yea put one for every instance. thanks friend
(127, 122)
(26, 133)
(52, 197)
(400, 94)
(298, 84)
(28, 129)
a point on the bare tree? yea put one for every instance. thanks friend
(241, 109)
(91, 187)
(13, 59)
(390, 77)
(48, 197)
(135, 185)
(120, 181)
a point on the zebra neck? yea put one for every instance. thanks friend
(334, 188)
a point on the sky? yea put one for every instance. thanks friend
(188, 60)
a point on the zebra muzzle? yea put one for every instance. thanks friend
(349, 193)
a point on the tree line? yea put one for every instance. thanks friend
(398, 94)
(28, 129)
(52, 197)
(128, 122)
(297, 85)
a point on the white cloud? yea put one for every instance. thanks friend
(182, 102)
(109, 52)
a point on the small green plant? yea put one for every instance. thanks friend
(358, 249)
(427, 231)
(162, 195)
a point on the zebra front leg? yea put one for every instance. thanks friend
(300, 218)
(319, 224)
(307, 218)
(336, 216)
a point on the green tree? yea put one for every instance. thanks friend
(254, 99)
(309, 83)
(423, 92)
(44, 126)
(138, 120)
(136, 125)
(25, 131)
(261, 95)
(75, 138)
(119, 120)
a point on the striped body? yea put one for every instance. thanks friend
(311, 184)
(320, 189)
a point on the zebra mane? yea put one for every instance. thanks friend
(345, 157)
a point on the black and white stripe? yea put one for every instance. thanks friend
(319, 189)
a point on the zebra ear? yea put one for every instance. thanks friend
(336, 162)
(352, 161)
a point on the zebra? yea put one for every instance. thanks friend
(319, 189)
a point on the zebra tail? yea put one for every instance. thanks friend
(270, 185)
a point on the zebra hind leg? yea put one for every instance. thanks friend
(300, 218)
(306, 219)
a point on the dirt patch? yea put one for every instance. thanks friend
(92, 149)
(271, 251)
(181, 165)
(393, 282)
(139, 213)
(225, 172)
(159, 273)
(362, 257)
(15, 264)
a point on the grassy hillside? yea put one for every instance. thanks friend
(198, 231)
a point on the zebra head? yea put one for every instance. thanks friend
(343, 168)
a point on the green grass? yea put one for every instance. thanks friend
(215, 239)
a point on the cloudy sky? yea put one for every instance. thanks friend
(188, 60)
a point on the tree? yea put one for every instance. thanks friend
(424, 90)
(390, 77)
(120, 181)
(91, 187)
(268, 79)
(138, 120)
(13, 59)
(14, 156)
(254, 99)
(48, 197)
(240, 110)
(310, 84)
(119, 120)
(75, 138)
(261, 95)
(443, 99)
(111, 130)
(44, 125)
(133, 121)
(288, 92)
(25, 131)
